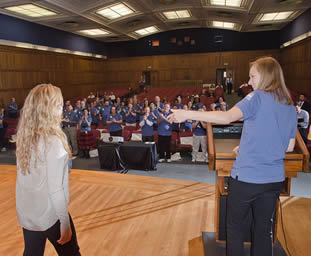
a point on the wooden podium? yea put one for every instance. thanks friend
(221, 140)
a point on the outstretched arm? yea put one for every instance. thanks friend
(217, 117)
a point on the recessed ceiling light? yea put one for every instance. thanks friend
(233, 3)
(173, 15)
(115, 11)
(147, 31)
(275, 16)
(221, 24)
(30, 10)
(94, 32)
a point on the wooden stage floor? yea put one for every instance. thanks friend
(117, 214)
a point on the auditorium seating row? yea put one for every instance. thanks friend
(170, 94)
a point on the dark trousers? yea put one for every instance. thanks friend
(261, 200)
(164, 147)
(35, 241)
(147, 138)
(229, 88)
(304, 134)
(2, 137)
(116, 133)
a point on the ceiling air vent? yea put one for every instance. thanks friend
(224, 14)
(183, 23)
(70, 24)
(264, 26)
(134, 23)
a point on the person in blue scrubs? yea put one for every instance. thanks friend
(269, 131)
(114, 121)
(146, 123)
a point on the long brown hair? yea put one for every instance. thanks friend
(272, 79)
(40, 117)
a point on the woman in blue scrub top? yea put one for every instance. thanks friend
(269, 131)
(114, 121)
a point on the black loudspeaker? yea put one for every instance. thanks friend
(108, 157)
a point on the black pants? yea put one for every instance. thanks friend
(35, 241)
(304, 134)
(116, 133)
(2, 137)
(229, 88)
(164, 147)
(147, 138)
(261, 200)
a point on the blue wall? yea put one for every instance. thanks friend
(297, 27)
(204, 38)
(24, 31)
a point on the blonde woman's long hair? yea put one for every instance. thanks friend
(40, 117)
(272, 79)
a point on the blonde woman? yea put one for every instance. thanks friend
(257, 175)
(42, 192)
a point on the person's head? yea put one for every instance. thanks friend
(118, 100)
(13, 100)
(220, 99)
(196, 100)
(146, 102)
(113, 110)
(130, 105)
(69, 108)
(67, 103)
(40, 117)
(223, 106)
(106, 103)
(82, 104)
(189, 104)
(152, 106)
(266, 74)
(147, 110)
(157, 99)
(204, 108)
(179, 99)
(185, 107)
(301, 97)
(167, 108)
(213, 107)
(85, 112)
(122, 104)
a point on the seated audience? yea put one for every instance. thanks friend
(86, 135)
(222, 104)
(164, 134)
(12, 109)
(146, 123)
(114, 122)
(179, 104)
(303, 122)
(199, 139)
(70, 121)
(91, 96)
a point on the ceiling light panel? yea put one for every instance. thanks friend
(30, 10)
(226, 25)
(94, 32)
(173, 15)
(231, 3)
(115, 11)
(275, 16)
(147, 31)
